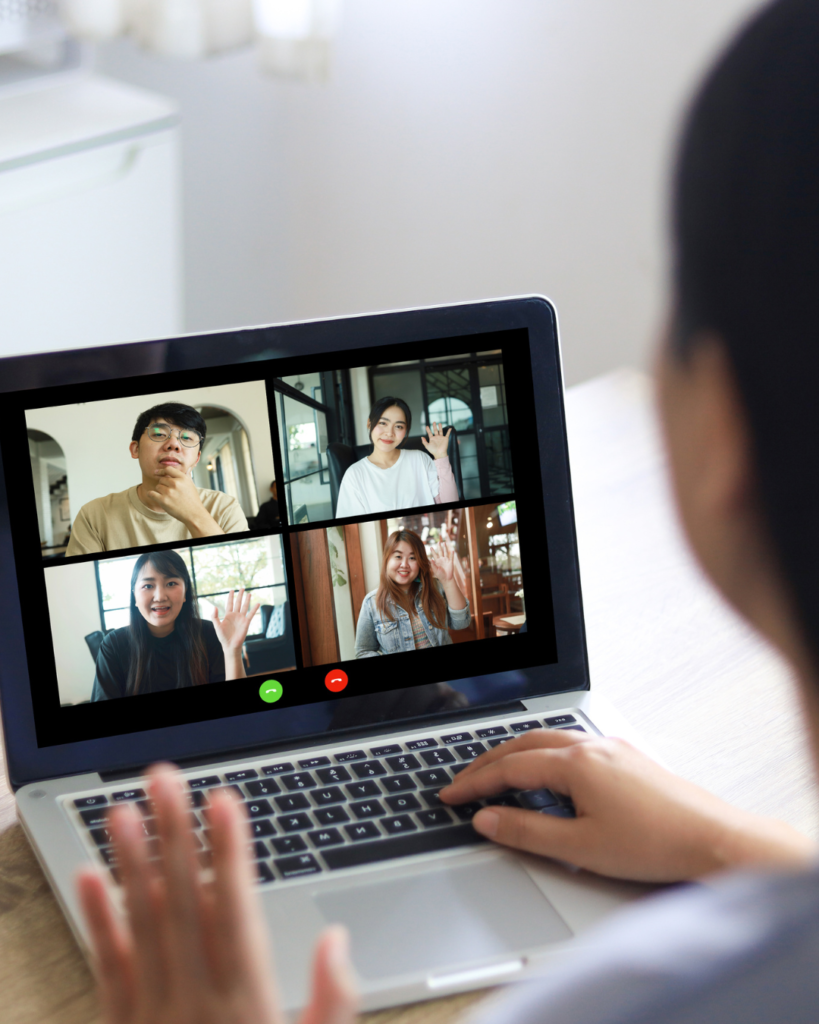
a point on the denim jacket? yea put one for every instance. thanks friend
(374, 635)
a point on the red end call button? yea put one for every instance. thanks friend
(335, 680)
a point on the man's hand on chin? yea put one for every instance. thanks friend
(176, 493)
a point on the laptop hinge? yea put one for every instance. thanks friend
(340, 736)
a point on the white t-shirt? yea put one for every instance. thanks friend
(742, 949)
(365, 488)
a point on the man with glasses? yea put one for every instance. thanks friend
(167, 505)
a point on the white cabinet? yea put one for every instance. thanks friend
(89, 217)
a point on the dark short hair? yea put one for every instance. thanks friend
(746, 265)
(381, 405)
(179, 416)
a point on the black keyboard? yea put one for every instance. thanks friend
(344, 809)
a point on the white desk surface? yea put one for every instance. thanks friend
(663, 648)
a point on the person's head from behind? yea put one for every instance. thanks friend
(740, 370)
(406, 573)
(168, 436)
(389, 423)
(163, 602)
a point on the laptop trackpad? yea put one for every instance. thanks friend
(454, 915)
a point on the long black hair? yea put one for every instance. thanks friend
(192, 665)
(746, 250)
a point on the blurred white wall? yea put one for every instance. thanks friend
(461, 150)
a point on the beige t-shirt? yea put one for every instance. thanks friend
(122, 521)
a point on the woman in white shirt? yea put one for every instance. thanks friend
(391, 477)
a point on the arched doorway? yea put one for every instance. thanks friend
(50, 474)
(226, 464)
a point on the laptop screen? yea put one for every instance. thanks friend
(306, 540)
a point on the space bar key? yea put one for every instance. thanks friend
(401, 846)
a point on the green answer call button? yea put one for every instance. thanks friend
(270, 691)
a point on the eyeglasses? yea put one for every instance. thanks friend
(161, 432)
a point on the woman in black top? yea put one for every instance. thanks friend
(167, 645)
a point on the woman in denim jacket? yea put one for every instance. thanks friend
(416, 604)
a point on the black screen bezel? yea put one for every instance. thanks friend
(26, 762)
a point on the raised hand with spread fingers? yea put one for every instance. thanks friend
(187, 951)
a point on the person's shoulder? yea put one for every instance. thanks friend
(116, 640)
(104, 505)
(211, 499)
(741, 941)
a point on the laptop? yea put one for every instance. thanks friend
(343, 706)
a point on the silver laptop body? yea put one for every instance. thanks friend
(339, 783)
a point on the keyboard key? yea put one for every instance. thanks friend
(497, 743)
(389, 748)
(404, 763)
(128, 794)
(534, 799)
(108, 855)
(264, 872)
(258, 850)
(231, 789)
(198, 798)
(431, 798)
(92, 801)
(288, 844)
(557, 720)
(398, 783)
(303, 864)
(359, 790)
(264, 787)
(314, 762)
(331, 816)
(458, 768)
(366, 769)
(438, 756)
(409, 802)
(363, 830)
(146, 807)
(503, 800)
(301, 780)
(350, 755)
(457, 737)
(399, 824)
(424, 744)
(434, 777)
(432, 819)
(466, 812)
(525, 726)
(95, 816)
(262, 828)
(278, 769)
(102, 836)
(469, 751)
(333, 774)
(259, 809)
(558, 812)
(401, 846)
(492, 730)
(367, 809)
(329, 795)
(573, 728)
(326, 837)
(242, 776)
(295, 822)
(204, 782)
(292, 802)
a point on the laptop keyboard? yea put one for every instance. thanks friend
(336, 810)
